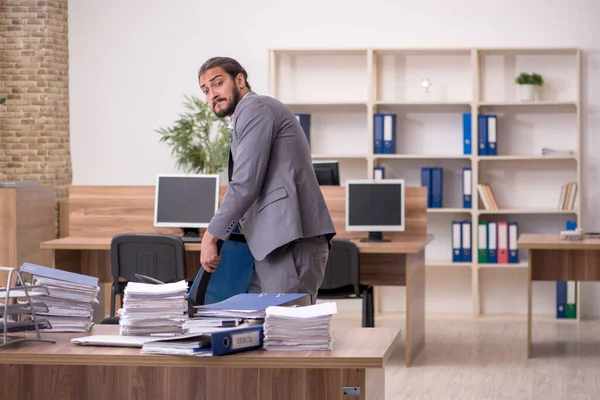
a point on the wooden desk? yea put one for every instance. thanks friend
(399, 262)
(66, 371)
(552, 259)
(92, 215)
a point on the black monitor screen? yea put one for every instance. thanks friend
(375, 204)
(186, 201)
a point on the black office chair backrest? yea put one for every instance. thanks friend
(155, 255)
(343, 267)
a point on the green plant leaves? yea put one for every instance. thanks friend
(529, 79)
(199, 140)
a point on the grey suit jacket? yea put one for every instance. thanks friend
(273, 192)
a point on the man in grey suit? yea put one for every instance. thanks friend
(273, 193)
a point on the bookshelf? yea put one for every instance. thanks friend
(343, 88)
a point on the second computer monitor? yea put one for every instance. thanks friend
(186, 201)
(328, 172)
(375, 206)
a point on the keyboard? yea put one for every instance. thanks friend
(191, 239)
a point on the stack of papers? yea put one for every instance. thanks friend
(69, 300)
(153, 309)
(299, 328)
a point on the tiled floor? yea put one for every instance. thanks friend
(486, 359)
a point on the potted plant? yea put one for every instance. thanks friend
(528, 85)
(199, 139)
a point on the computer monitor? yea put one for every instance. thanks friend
(328, 172)
(375, 206)
(186, 201)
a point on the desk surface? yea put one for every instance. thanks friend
(532, 241)
(353, 347)
(403, 246)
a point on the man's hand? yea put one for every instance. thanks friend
(209, 259)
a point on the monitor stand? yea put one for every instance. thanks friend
(191, 232)
(375, 237)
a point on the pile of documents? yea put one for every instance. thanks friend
(153, 308)
(299, 328)
(69, 300)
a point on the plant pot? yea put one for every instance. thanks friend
(528, 92)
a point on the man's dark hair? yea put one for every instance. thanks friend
(231, 66)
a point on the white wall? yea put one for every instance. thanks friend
(132, 62)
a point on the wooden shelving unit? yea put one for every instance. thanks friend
(343, 88)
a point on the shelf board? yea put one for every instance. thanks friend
(446, 264)
(526, 103)
(526, 158)
(523, 264)
(449, 210)
(325, 103)
(422, 156)
(423, 103)
(526, 211)
(339, 156)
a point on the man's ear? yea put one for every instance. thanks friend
(240, 81)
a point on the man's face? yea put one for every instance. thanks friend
(220, 90)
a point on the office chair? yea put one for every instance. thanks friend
(342, 278)
(156, 256)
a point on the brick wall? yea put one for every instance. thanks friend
(34, 77)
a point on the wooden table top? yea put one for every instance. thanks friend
(406, 245)
(532, 241)
(353, 347)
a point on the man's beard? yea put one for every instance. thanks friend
(228, 111)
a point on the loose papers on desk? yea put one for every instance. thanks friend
(150, 308)
(299, 328)
(251, 305)
(69, 300)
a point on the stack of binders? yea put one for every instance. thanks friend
(69, 300)
(487, 134)
(433, 179)
(497, 242)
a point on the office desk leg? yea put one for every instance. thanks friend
(529, 284)
(415, 305)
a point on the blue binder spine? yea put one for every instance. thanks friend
(467, 132)
(437, 187)
(492, 135)
(378, 173)
(389, 134)
(378, 133)
(467, 187)
(513, 235)
(456, 241)
(466, 241)
(235, 341)
(561, 299)
(304, 120)
(482, 134)
(426, 182)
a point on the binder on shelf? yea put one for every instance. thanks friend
(492, 243)
(467, 148)
(467, 187)
(502, 242)
(437, 187)
(304, 120)
(456, 241)
(466, 241)
(571, 300)
(378, 173)
(513, 235)
(384, 133)
(492, 134)
(561, 300)
(482, 135)
(482, 241)
(426, 182)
